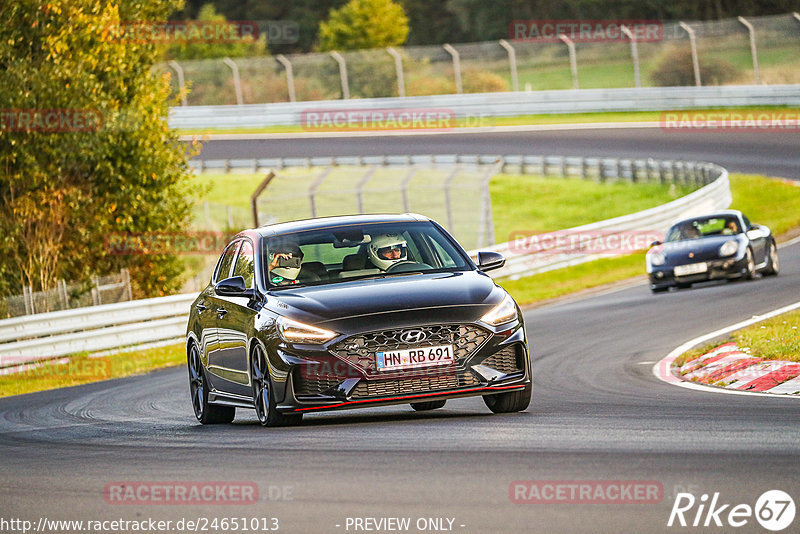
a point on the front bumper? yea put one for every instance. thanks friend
(491, 363)
(721, 269)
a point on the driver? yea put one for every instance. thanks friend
(284, 264)
(387, 250)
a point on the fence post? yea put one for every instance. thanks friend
(512, 63)
(635, 53)
(573, 59)
(456, 65)
(398, 67)
(752, 32)
(126, 279)
(342, 74)
(237, 84)
(693, 45)
(181, 82)
(404, 186)
(312, 191)
(447, 205)
(62, 291)
(360, 188)
(254, 197)
(287, 65)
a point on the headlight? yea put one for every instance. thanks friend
(729, 248)
(657, 258)
(504, 312)
(296, 332)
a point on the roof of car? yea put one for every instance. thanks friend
(719, 213)
(330, 222)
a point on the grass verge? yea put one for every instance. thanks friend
(777, 338)
(81, 369)
(519, 120)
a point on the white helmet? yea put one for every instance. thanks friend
(287, 268)
(386, 250)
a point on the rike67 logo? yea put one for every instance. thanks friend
(774, 510)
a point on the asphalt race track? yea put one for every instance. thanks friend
(597, 412)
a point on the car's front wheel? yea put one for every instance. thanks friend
(513, 401)
(430, 405)
(263, 399)
(750, 265)
(206, 413)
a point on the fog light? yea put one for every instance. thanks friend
(659, 274)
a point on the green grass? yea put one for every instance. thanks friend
(82, 369)
(774, 339)
(519, 120)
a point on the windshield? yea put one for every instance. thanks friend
(704, 226)
(341, 253)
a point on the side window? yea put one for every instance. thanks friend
(445, 258)
(225, 262)
(747, 223)
(244, 263)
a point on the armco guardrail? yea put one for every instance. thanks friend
(108, 326)
(479, 105)
(50, 335)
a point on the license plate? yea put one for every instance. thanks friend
(692, 268)
(392, 360)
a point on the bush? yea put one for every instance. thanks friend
(676, 69)
(482, 81)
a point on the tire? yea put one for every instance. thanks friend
(773, 265)
(751, 265)
(263, 400)
(430, 405)
(685, 285)
(513, 401)
(207, 414)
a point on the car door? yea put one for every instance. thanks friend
(758, 240)
(235, 316)
(212, 304)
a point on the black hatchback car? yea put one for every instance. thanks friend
(720, 246)
(349, 312)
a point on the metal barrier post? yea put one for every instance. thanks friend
(752, 32)
(404, 189)
(447, 205)
(635, 53)
(573, 59)
(312, 191)
(398, 67)
(342, 74)
(360, 188)
(693, 45)
(456, 65)
(512, 63)
(237, 84)
(283, 60)
(181, 82)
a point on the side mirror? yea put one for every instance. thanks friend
(655, 244)
(490, 260)
(755, 232)
(232, 287)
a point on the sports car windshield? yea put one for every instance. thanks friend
(342, 253)
(702, 227)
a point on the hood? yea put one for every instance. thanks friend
(388, 296)
(702, 249)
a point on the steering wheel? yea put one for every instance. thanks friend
(408, 265)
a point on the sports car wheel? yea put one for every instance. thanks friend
(772, 261)
(206, 413)
(513, 401)
(263, 399)
(430, 405)
(751, 265)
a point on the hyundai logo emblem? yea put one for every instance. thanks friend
(413, 336)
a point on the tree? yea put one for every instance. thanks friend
(106, 164)
(363, 24)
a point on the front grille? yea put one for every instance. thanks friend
(401, 386)
(360, 349)
(307, 384)
(504, 361)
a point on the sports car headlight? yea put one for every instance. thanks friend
(296, 332)
(656, 258)
(504, 312)
(729, 248)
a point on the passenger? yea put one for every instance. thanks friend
(284, 264)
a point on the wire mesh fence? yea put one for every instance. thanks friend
(723, 50)
(98, 290)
